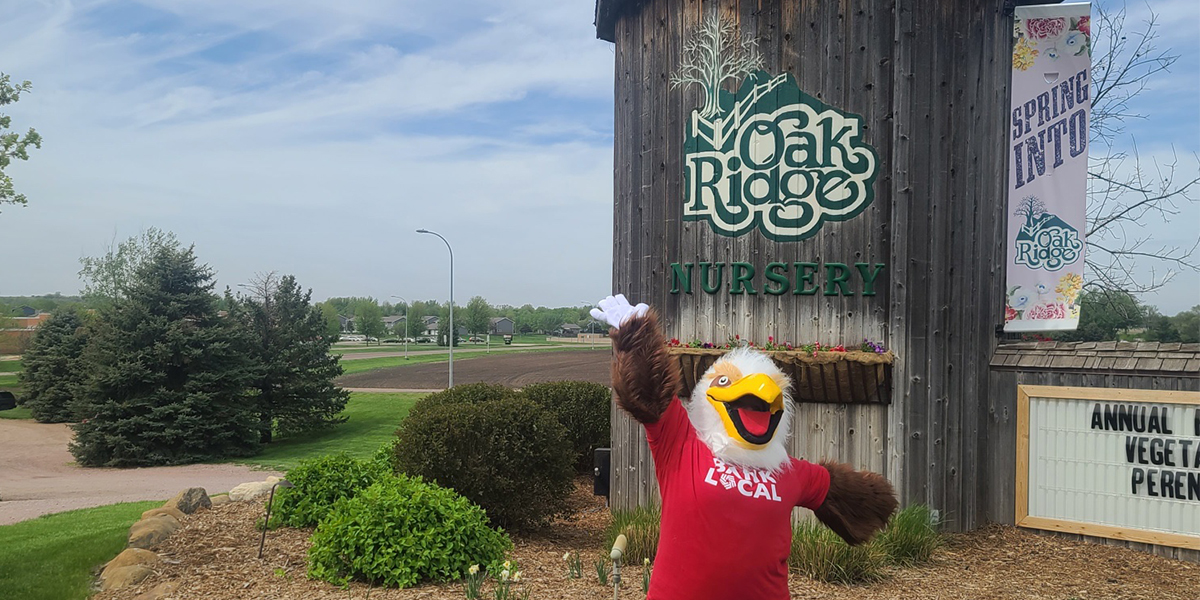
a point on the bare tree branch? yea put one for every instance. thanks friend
(1122, 193)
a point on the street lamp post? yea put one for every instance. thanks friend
(453, 334)
(406, 324)
(591, 329)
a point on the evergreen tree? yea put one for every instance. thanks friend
(295, 372)
(54, 374)
(169, 374)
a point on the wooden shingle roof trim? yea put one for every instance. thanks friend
(1143, 357)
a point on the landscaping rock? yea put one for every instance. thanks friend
(159, 591)
(123, 577)
(164, 510)
(252, 490)
(219, 500)
(132, 556)
(148, 533)
(190, 500)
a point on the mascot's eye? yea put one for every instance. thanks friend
(722, 381)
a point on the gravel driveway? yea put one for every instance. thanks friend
(38, 475)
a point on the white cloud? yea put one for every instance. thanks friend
(317, 171)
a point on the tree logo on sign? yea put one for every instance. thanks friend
(769, 156)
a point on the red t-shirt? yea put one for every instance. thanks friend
(726, 531)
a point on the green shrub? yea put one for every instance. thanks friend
(583, 409)
(910, 537)
(386, 454)
(467, 393)
(321, 482)
(640, 527)
(400, 532)
(819, 553)
(508, 456)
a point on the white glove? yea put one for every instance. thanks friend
(616, 310)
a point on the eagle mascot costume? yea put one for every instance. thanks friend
(727, 483)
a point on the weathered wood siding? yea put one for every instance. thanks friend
(930, 79)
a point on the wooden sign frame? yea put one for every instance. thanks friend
(1023, 518)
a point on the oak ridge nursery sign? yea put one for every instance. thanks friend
(769, 159)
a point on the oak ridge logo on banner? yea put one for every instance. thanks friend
(769, 157)
(1044, 240)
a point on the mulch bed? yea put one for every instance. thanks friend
(214, 557)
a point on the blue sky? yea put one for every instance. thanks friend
(313, 138)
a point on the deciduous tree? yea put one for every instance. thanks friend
(477, 316)
(368, 319)
(107, 277)
(1126, 192)
(13, 145)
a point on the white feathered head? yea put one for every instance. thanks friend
(742, 409)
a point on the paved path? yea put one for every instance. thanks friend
(38, 475)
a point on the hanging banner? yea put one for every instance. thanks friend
(1048, 159)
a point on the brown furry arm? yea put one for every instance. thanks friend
(858, 504)
(644, 376)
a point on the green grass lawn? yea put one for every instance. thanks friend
(10, 366)
(19, 412)
(373, 419)
(52, 557)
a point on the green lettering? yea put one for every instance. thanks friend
(704, 279)
(836, 275)
(741, 274)
(678, 275)
(772, 275)
(869, 279)
(804, 275)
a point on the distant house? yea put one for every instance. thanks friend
(501, 326)
(431, 325)
(27, 311)
(389, 323)
(347, 323)
(567, 330)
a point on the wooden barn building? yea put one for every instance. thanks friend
(894, 115)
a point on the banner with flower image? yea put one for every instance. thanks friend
(1048, 158)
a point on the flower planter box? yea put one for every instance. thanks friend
(829, 377)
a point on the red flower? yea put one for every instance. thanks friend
(1085, 25)
(1047, 311)
(1045, 28)
(1010, 313)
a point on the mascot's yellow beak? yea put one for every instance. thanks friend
(750, 407)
